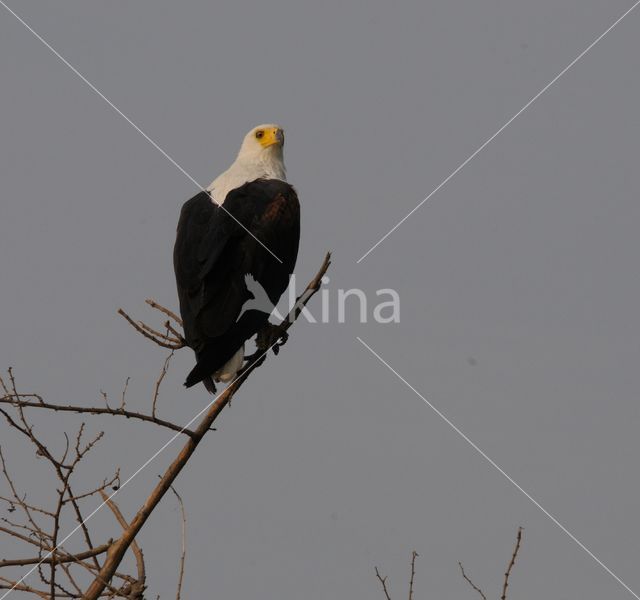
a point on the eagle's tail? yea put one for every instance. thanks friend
(201, 372)
(228, 348)
(209, 384)
(209, 369)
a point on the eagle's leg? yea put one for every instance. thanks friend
(270, 336)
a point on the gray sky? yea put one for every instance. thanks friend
(518, 281)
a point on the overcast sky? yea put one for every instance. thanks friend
(518, 282)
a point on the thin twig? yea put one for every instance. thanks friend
(103, 486)
(15, 534)
(183, 538)
(8, 584)
(139, 329)
(507, 574)
(64, 479)
(82, 523)
(60, 557)
(166, 311)
(96, 410)
(156, 390)
(164, 336)
(383, 583)
(19, 501)
(29, 506)
(48, 552)
(67, 571)
(137, 552)
(414, 555)
(175, 332)
(123, 397)
(275, 336)
(473, 585)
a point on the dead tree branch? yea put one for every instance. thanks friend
(166, 311)
(383, 583)
(175, 341)
(40, 527)
(8, 584)
(505, 585)
(183, 538)
(473, 585)
(92, 410)
(136, 588)
(414, 555)
(383, 580)
(61, 558)
(120, 546)
(156, 389)
(507, 574)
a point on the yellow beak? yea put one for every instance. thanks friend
(272, 135)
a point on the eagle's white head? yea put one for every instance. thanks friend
(260, 156)
(262, 142)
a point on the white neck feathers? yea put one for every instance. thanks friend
(268, 165)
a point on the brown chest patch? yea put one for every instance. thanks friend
(275, 209)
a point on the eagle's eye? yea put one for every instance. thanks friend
(259, 133)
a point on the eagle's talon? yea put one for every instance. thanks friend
(271, 336)
(282, 340)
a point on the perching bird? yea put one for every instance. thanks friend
(247, 222)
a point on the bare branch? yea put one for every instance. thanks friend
(67, 571)
(82, 522)
(473, 585)
(162, 339)
(96, 410)
(313, 286)
(114, 480)
(183, 538)
(121, 545)
(61, 557)
(123, 397)
(23, 426)
(414, 555)
(7, 584)
(383, 583)
(26, 508)
(56, 523)
(29, 506)
(159, 334)
(166, 311)
(507, 574)
(55, 565)
(17, 535)
(275, 336)
(175, 332)
(153, 338)
(156, 390)
(140, 585)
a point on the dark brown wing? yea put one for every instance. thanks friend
(216, 247)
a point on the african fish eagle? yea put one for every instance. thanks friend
(247, 222)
